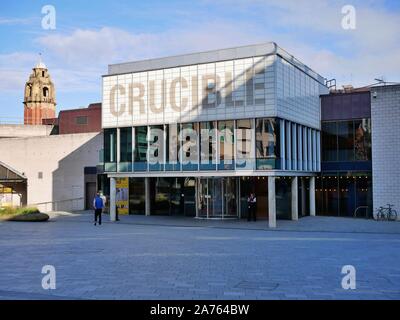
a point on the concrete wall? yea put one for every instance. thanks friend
(385, 115)
(61, 160)
(22, 131)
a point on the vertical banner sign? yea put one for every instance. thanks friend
(122, 197)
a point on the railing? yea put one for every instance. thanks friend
(68, 204)
(361, 207)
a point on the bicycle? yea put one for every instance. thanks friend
(386, 213)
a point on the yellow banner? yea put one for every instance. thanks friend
(122, 196)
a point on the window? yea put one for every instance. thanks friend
(81, 120)
(140, 154)
(346, 140)
(329, 141)
(125, 137)
(226, 144)
(189, 153)
(45, 92)
(110, 149)
(156, 148)
(208, 145)
(40, 175)
(244, 144)
(267, 143)
(172, 147)
(362, 139)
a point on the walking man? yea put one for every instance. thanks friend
(98, 206)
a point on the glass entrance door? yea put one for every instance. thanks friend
(217, 197)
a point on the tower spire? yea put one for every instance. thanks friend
(40, 64)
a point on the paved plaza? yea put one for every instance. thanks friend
(184, 258)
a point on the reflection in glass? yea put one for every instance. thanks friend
(172, 147)
(137, 196)
(283, 191)
(345, 141)
(362, 139)
(140, 153)
(226, 145)
(110, 149)
(189, 152)
(208, 146)
(267, 144)
(244, 144)
(125, 147)
(156, 148)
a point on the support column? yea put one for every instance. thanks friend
(271, 203)
(295, 199)
(147, 195)
(312, 196)
(303, 196)
(113, 206)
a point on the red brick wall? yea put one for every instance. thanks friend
(37, 114)
(68, 123)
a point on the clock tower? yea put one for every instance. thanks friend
(39, 96)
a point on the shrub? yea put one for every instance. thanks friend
(27, 210)
(9, 211)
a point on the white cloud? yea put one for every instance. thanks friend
(312, 32)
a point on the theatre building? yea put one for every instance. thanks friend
(195, 134)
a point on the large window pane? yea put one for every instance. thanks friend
(283, 195)
(189, 153)
(345, 141)
(330, 195)
(137, 198)
(347, 194)
(156, 148)
(362, 139)
(172, 147)
(125, 147)
(329, 141)
(244, 144)
(140, 154)
(226, 145)
(208, 146)
(267, 144)
(110, 149)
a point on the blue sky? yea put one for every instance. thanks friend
(89, 35)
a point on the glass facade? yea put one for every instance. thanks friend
(244, 147)
(347, 194)
(125, 150)
(267, 144)
(348, 140)
(110, 150)
(218, 197)
(226, 142)
(156, 148)
(189, 151)
(243, 144)
(137, 198)
(208, 146)
(140, 149)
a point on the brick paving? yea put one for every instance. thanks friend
(184, 258)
